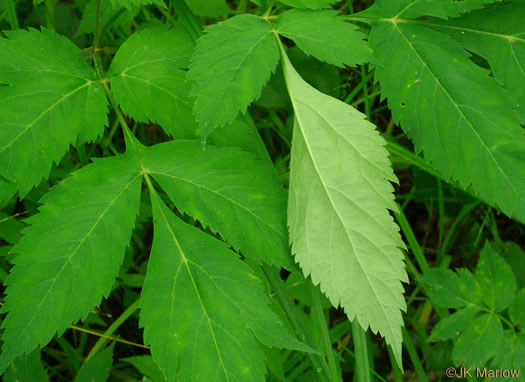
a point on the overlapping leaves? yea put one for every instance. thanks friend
(226, 189)
(340, 192)
(70, 255)
(202, 308)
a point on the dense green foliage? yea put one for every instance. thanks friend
(253, 205)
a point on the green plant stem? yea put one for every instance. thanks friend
(295, 319)
(111, 21)
(70, 352)
(321, 327)
(494, 228)
(411, 239)
(11, 13)
(131, 141)
(450, 234)
(362, 366)
(187, 19)
(50, 15)
(241, 7)
(441, 209)
(365, 92)
(414, 357)
(407, 155)
(112, 328)
(350, 96)
(98, 27)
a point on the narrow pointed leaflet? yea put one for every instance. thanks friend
(202, 308)
(71, 253)
(341, 231)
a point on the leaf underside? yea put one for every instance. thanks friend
(341, 231)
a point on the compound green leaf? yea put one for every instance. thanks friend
(450, 289)
(496, 280)
(309, 4)
(227, 190)
(97, 368)
(70, 254)
(53, 100)
(450, 327)
(230, 66)
(479, 342)
(202, 308)
(341, 231)
(465, 124)
(149, 83)
(26, 368)
(325, 36)
(496, 33)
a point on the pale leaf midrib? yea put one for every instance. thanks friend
(201, 303)
(372, 286)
